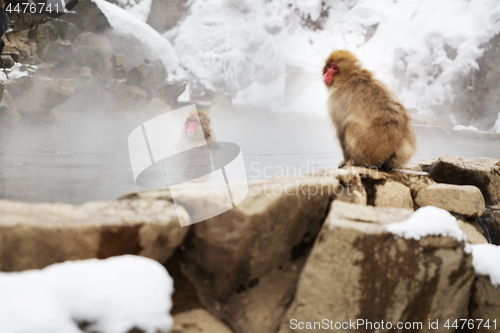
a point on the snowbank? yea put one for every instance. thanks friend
(428, 221)
(126, 23)
(416, 47)
(112, 295)
(486, 261)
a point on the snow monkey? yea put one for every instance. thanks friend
(373, 127)
(198, 127)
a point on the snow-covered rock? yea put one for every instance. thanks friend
(113, 295)
(126, 23)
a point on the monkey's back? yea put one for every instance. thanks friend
(373, 127)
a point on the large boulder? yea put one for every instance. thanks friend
(36, 235)
(359, 271)
(33, 94)
(483, 172)
(461, 199)
(245, 262)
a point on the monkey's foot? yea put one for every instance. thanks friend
(342, 164)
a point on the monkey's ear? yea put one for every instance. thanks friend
(213, 145)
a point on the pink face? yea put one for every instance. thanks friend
(191, 127)
(331, 70)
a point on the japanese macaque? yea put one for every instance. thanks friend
(196, 128)
(373, 128)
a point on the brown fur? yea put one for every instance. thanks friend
(373, 127)
(203, 129)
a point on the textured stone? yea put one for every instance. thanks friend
(465, 200)
(32, 94)
(393, 194)
(473, 235)
(485, 304)
(36, 235)
(358, 270)
(483, 172)
(198, 321)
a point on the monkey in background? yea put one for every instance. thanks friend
(196, 160)
(373, 127)
(197, 127)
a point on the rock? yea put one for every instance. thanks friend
(8, 62)
(483, 172)
(125, 97)
(93, 20)
(198, 321)
(117, 60)
(66, 30)
(147, 76)
(86, 72)
(485, 304)
(473, 235)
(358, 270)
(372, 177)
(32, 94)
(165, 14)
(45, 33)
(491, 224)
(93, 51)
(424, 165)
(36, 235)
(245, 262)
(19, 46)
(171, 90)
(57, 52)
(461, 199)
(393, 194)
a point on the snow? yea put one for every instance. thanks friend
(486, 259)
(416, 47)
(462, 127)
(428, 221)
(126, 23)
(112, 295)
(141, 10)
(14, 73)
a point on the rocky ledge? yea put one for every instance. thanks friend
(322, 247)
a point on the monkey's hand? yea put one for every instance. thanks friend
(342, 164)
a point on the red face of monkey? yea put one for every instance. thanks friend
(192, 127)
(331, 70)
